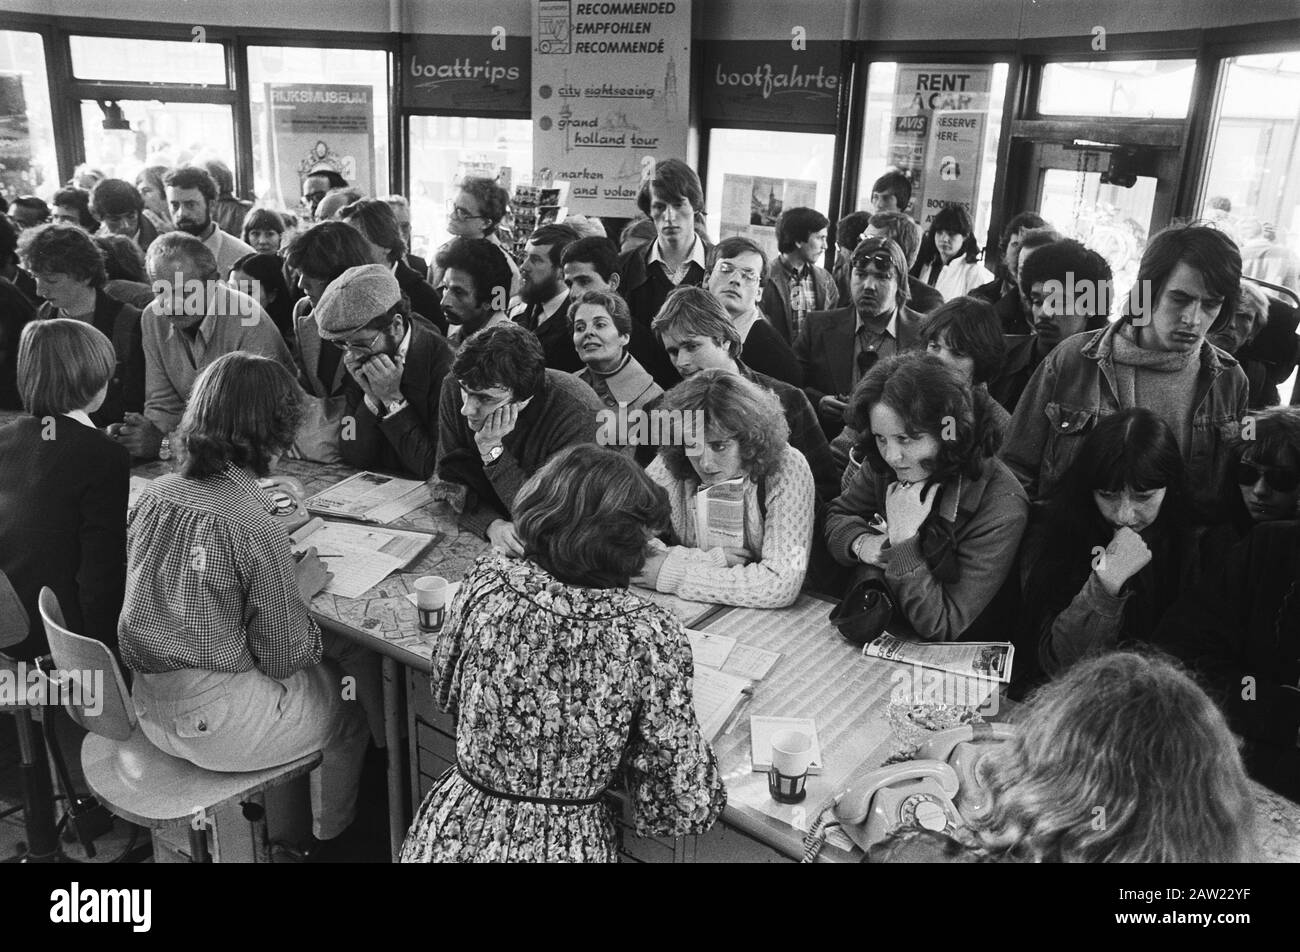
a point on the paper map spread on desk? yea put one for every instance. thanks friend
(359, 556)
(370, 497)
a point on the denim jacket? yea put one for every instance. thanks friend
(1075, 386)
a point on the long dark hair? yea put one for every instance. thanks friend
(954, 219)
(268, 271)
(929, 397)
(1133, 448)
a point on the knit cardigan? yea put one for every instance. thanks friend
(780, 531)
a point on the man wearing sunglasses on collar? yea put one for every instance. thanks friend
(396, 367)
(836, 348)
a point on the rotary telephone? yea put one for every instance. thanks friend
(935, 791)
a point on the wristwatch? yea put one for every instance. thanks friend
(165, 448)
(395, 406)
(492, 455)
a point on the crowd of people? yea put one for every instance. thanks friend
(993, 438)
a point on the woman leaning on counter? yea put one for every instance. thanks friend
(932, 513)
(564, 683)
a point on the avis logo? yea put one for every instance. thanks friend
(75, 905)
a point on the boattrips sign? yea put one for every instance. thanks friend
(611, 96)
(485, 75)
(760, 81)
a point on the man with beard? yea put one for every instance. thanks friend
(475, 286)
(191, 193)
(194, 319)
(1046, 274)
(1155, 356)
(396, 367)
(544, 297)
(835, 349)
(737, 272)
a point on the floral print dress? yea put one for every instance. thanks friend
(560, 692)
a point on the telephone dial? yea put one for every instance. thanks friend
(937, 790)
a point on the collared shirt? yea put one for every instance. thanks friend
(745, 323)
(545, 312)
(695, 257)
(211, 582)
(884, 343)
(454, 335)
(402, 348)
(226, 248)
(173, 361)
(80, 417)
(803, 294)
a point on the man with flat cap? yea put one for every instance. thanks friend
(396, 366)
(836, 348)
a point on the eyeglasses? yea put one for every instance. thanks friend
(880, 260)
(344, 343)
(748, 275)
(463, 214)
(1278, 480)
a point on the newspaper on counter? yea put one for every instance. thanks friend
(370, 497)
(990, 660)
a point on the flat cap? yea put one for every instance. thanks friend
(355, 298)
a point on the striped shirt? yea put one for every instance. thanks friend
(211, 582)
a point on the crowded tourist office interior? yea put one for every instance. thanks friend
(684, 431)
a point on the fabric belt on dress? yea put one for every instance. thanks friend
(526, 798)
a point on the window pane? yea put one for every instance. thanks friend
(28, 165)
(1141, 89)
(161, 134)
(445, 150)
(1255, 164)
(1112, 221)
(880, 138)
(277, 64)
(148, 61)
(753, 175)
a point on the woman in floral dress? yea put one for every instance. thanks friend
(565, 684)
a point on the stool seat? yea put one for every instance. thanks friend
(153, 789)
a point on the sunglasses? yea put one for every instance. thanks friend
(1278, 480)
(880, 260)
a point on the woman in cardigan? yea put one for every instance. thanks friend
(933, 514)
(1114, 548)
(734, 442)
(63, 502)
(602, 327)
(564, 683)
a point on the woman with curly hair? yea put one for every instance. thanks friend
(1124, 760)
(215, 624)
(933, 514)
(564, 683)
(735, 443)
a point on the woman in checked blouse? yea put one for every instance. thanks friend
(564, 683)
(228, 663)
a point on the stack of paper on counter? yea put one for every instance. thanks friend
(726, 654)
(990, 660)
(716, 697)
(725, 672)
(359, 556)
(370, 497)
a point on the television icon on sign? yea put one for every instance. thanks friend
(554, 26)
